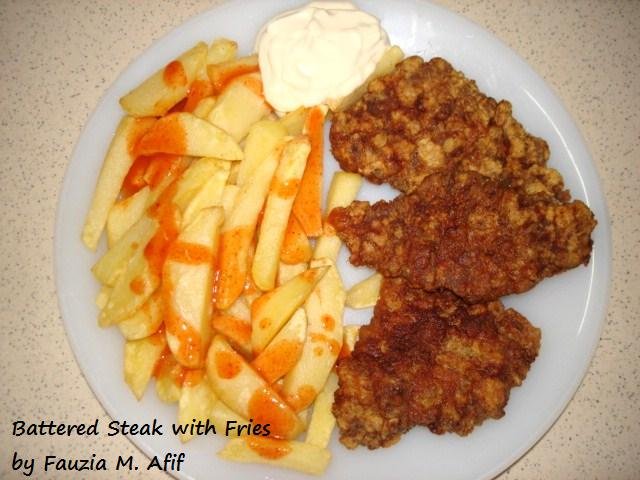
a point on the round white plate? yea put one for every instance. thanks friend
(569, 308)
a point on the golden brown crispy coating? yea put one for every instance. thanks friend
(430, 359)
(465, 232)
(426, 117)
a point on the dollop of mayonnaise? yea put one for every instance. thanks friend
(318, 54)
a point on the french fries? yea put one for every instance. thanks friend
(183, 133)
(343, 190)
(221, 74)
(322, 420)
(284, 350)
(295, 246)
(157, 94)
(270, 311)
(263, 138)
(209, 201)
(140, 358)
(221, 50)
(146, 321)
(125, 213)
(282, 192)
(238, 232)
(365, 293)
(239, 106)
(116, 164)
(307, 206)
(196, 401)
(246, 393)
(300, 456)
(322, 346)
(187, 283)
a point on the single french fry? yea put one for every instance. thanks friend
(284, 350)
(239, 106)
(271, 311)
(282, 192)
(385, 65)
(322, 419)
(238, 231)
(146, 321)
(324, 308)
(169, 376)
(210, 193)
(140, 358)
(125, 213)
(113, 263)
(116, 164)
(293, 122)
(187, 283)
(300, 456)
(229, 196)
(223, 73)
(221, 50)
(287, 271)
(246, 393)
(307, 206)
(183, 133)
(196, 401)
(343, 190)
(350, 337)
(365, 293)
(131, 290)
(295, 246)
(158, 93)
(263, 138)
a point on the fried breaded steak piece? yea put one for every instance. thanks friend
(426, 117)
(430, 359)
(477, 237)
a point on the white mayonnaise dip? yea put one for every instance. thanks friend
(318, 53)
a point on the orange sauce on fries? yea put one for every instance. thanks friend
(166, 213)
(174, 74)
(190, 253)
(307, 205)
(286, 189)
(328, 322)
(190, 351)
(149, 170)
(232, 270)
(278, 359)
(268, 447)
(225, 76)
(228, 364)
(193, 377)
(334, 345)
(167, 136)
(199, 89)
(295, 247)
(236, 329)
(137, 286)
(305, 395)
(265, 407)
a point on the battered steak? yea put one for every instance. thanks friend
(424, 118)
(430, 359)
(465, 232)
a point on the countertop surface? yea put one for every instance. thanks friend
(59, 57)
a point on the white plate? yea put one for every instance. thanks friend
(569, 308)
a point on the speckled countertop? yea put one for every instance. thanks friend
(58, 58)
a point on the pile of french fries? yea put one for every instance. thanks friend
(210, 203)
